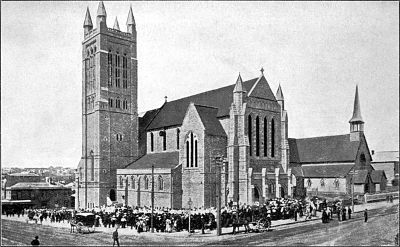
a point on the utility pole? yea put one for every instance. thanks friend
(352, 190)
(218, 161)
(152, 198)
(190, 207)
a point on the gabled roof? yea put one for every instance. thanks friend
(326, 171)
(173, 112)
(37, 185)
(166, 160)
(323, 149)
(377, 175)
(361, 176)
(208, 116)
(385, 156)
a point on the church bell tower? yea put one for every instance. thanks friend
(109, 107)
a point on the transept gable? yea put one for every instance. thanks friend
(261, 89)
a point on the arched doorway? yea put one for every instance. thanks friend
(112, 195)
(282, 192)
(256, 194)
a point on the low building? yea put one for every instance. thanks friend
(41, 194)
(14, 178)
(389, 162)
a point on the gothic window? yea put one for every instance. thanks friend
(121, 182)
(151, 142)
(249, 132)
(117, 78)
(309, 183)
(322, 182)
(195, 153)
(265, 137)
(191, 149)
(336, 183)
(164, 139)
(187, 153)
(177, 138)
(124, 71)
(272, 138)
(146, 183)
(132, 182)
(160, 183)
(110, 102)
(363, 161)
(257, 136)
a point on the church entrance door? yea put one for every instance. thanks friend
(256, 194)
(112, 195)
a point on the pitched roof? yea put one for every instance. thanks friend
(37, 185)
(173, 112)
(361, 176)
(166, 160)
(356, 111)
(377, 176)
(322, 149)
(326, 170)
(385, 156)
(208, 116)
(24, 174)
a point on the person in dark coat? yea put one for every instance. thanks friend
(349, 212)
(35, 241)
(115, 237)
(343, 213)
(366, 215)
(324, 216)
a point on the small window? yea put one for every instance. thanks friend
(151, 142)
(309, 183)
(132, 182)
(121, 182)
(146, 183)
(322, 182)
(160, 183)
(336, 183)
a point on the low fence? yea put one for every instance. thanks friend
(380, 196)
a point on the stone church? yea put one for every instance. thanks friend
(233, 138)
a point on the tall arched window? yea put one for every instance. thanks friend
(187, 153)
(132, 182)
(151, 142)
(160, 183)
(177, 138)
(272, 138)
(363, 161)
(164, 140)
(146, 183)
(249, 132)
(265, 137)
(191, 149)
(257, 136)
(121, 182)
(195, 153)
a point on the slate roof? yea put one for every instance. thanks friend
(208, 116)
(166, 160)
(173, 112)
(360, 176)
(377, 176)
(385, 156)
(36, 185)
(323, 149)
(326, 171)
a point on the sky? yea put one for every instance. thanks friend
(317, 51)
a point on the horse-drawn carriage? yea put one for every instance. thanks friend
(83, 222)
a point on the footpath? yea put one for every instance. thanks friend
(197, 234)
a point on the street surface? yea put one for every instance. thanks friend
(381, 229)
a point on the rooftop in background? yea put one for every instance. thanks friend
(37, 185)
(24, 174)
(385, 156)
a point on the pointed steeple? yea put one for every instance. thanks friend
(116, 25)
(279, 94)
(238, 86)
(101, 10)
(131, 19)
(88, 19)
(356, 111)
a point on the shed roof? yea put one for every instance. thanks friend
(322, 149)
(166, 160)
(326, 170)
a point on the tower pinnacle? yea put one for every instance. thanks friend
(131, 19)
(356, 111)
(116, 25)
(101, 10)
(88, 19)
(279, 94)
(238, 86)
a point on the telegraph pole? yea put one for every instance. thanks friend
(152, 198)
(218, 161)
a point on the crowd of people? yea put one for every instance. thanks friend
(169, 220)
